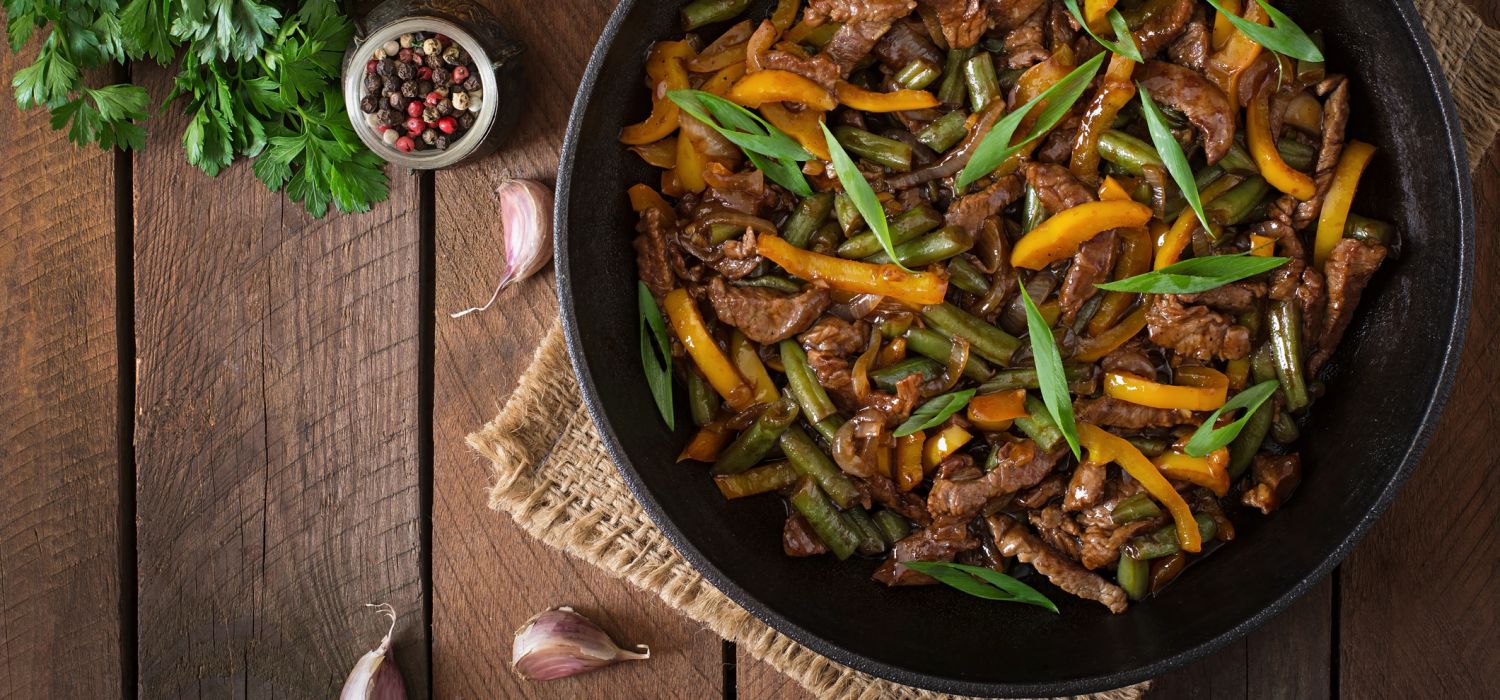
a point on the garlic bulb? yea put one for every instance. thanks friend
(526, 218)
(375, 676)
(559, 643)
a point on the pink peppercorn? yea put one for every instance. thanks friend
(447, 125)
(460, 73)
(415, 126)
(405, 144)
(434, 97)
(414, 109)
(371, 65)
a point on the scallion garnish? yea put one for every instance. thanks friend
(1172, 155)
(981, 582)
(658, 371)
(1124, 44)
(1207, 438)
(768, 148)
(1196, 274)
(934, 412)
(862, 195)
(996, 146)
(1049, 372)
(1283, 36)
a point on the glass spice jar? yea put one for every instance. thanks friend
(495, 60)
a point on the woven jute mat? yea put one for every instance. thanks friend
(553, 476)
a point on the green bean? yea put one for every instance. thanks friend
(980, 79)
(1247, 444)
(1252, 319)
(1032, 211)
(1151, 447)
(1237, 160)
(893, 527)
(825, 519)
(818, 38)
(803, 384)
(1025, 378)
(934, 247)
(964, 275)
(891, 153)
(780, 284)
(1297, 154)
(1262, 364)
(702, 399)
(945, 131)
(904, 227)
(1286, 349)
(985, 340)
(1283, 429)
(751, 445)
(889, 376)
(1163, 542)
(826, 240)
(810, 461)
(847, 214)
(1038, 425)
(1235, 206)
(1137, 507)
(829, 427)
(895, 327)
(952, 90)
(1369, 231)
(762, 479)
(917, 75)
(1134, 576)
(1128, 152)
(1207, 176)
(804, 222)
(871, 542)
(938, 347)
(701, 12)
(718, 233)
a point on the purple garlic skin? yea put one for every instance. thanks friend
(559, 643)
(375, 676)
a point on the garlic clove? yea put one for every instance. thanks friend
(526, 221)
(559, 643)
(375, 676)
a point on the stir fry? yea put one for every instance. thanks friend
(997, 292)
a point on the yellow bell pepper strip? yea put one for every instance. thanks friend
(1263, 148)
(785, 14)
(1112, 190)
(917, 288)
(669, 185)
(706, 444)
(856, 97)
(1225, 66)
(939, 447)
(721, 374)
(1223, 28)
(1144, 392)
(1305, 113)
(1263, 246)
(893, 352)
(720, 82)
(659, 154)
(909, 460)
(1335, 214)
(1238, 372)
(994, 412)
(1211, 472)
(803, 126)
(690, 163)
(1169, 245)
(726, 50)
(1104, 447)
(1060, 236)
(1135, 259)
(747, 361)
(1096, 12)
(1115, 91)
(665, 69)
(758, 88)
(642, 197)
(1094, 348)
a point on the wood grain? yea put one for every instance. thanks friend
(59, 468)
(488, 575)
(276, 431)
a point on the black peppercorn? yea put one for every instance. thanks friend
(451, 55)
(368, 104)
(434, 62)
(424, 87)
(409, 89)
(444, 107)
(440, 76)
(388, 116)
(405, 71)
(472, 83)
(466, 120)
(372, 84)
(396, 101)
(441, 142)
(430, 114)
(392, 83)
(386, 67)
(429, 136)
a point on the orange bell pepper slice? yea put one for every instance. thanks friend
(721, 374)
(665, 69)
(1223, 28)
(994, 412)
(1144, 392)
(939, 447)
(690, 163)
(909, 460)
(1112, 191)
(1094, 348)
(642, 197)
(1236, 52)
(756, 89)
(920, 288)
(1335, 214)
(1263, 246)
(802, 126)
(706, 444)
(1105, 447)
(726, 50)
(720, 82)
(1135, 259)
(1060, 236)
(856, 97)
(1170, 244)
(1210, 472)
(747, 361)
(1263, 148)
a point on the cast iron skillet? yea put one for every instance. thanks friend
(1386, 387)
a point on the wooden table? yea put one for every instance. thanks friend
(224, 426)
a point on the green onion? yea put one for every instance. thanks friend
(767, 147)
(1283, 36)
(1049, 372)
(1172, 156)
(860, 193)
(934, 412)
(1126, 44)
(996, 146)
(1207, 438)
(981, 582)
(1196, 275)
(658, 372)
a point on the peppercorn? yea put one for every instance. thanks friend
(409, 89)
(466, 120)
(386, 67)
(451, 55)
(405, 144)
(370, 65)
(460, 74)
(405, 71)
(472, 83)
(430, 114)
(441, 76)
(424, 73)
(433, 62)
(460, 100)
(404, 41)
(396, 100)
(379, 54)
(368, 104)
(391, 47)
(389, 136)
(447, 125)
(445, 107)
(476, 100)
(441, 142)
(415, 125)
(432, 47)
(372, 84)
(387, 116)
(414, 109)
(429, 136)
(372, 121)
(433, 97)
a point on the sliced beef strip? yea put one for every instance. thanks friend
(1099, 547)
(1129, 360)
(1192, 48)
(1163, 27)
(1037, 496)
(1058, 146)
(1009, 14)
(1236, 297)
(651, 245)
(907, 505)
(1273, 478)
(1026, 43)
(970, 211)
(820, 68)
(897, 407)
(907, 41)
(835, 335)
(1349, 268)
(1107, 411)
(765, 315)
(1056, 186)
(1057, 530)
(1012, 540)
(1195, 331)
(963, 21)
(932, 543)
(834, 374)
(1284, 279)
(1086, 486)
(798, 538)
(1091, 265)
(1202, 102)
(820, 11)
(1312, 300)
(1335, 118)
(1021, 465)
(853, 41)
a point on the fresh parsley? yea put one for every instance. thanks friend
(1207, 438)
(1283, 36)
(1172, 155)
(862, 195)
(1196, 275)
(1124, 44)
(768, 148)
(981, 582)
(658, 371)
(1049, 372)
(996, 145)
(935, 411)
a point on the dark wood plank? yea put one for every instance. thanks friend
(276, 431)
(1421, 595)
(59, 471)
(488, 575)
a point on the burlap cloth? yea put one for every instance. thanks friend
(560, 486)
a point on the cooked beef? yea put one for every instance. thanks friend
(819, 69)
(651, 244)
(1012, 540)
(1123, 414)
(1056, 186)
(1099, 547)
(1349, 268)
(765, 315)
(1009, 14)
(1195, 331)
(1021, 465)
(1192, 48)
(957, 157)
(933, 543)
(907, 505)
(1057, 147)
(1273, 479)
(1060, 30)
(846, 11)
(1086, 487)
(1202, 102)
(906, 42)
(835, 335)
(970, 211)
(834, 374)
(956, 467)
(1092, 265)
(1163, 26)
(1284, 279)
(734, 259)
(1026, 43)
(798, 538)
(1236, 297)
(1057, 530)
(1312, 300)
(853, 41)
(963, 21)
(1335, 118)
(1129, 360)
(897, 406)
(1037, 496)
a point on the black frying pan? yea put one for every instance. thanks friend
(1386, 387)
